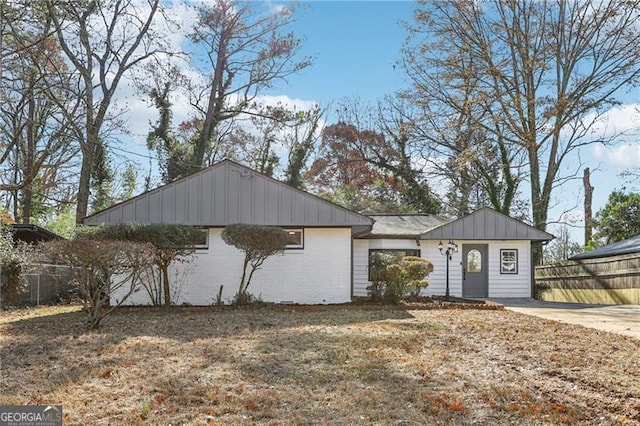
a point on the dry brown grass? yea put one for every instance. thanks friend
(212, 366)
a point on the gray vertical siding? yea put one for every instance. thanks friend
(486, 224)
(226, 193)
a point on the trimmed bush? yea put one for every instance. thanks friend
(397, 278)
(257, 243)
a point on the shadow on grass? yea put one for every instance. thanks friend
(185, 323)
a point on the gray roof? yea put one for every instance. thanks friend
(486, 224)
(227, 193)
(630, 245)
(403, 225)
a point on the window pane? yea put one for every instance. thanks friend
(203, 241)
(377, 257)
(294, 238)
(474, 261)
(509, 261)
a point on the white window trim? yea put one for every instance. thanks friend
(503, 269)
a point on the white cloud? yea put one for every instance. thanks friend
(621, 122)
(622, 156)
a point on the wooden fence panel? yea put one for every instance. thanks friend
(610, 280)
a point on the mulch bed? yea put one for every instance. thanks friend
(424, 303)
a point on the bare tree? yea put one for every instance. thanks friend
(36, 150)
(372, 146)
(274, 131)
(248, 52)
(549, 71)
(102, 42)
(449, 116)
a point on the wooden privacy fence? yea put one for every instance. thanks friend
(610, 280)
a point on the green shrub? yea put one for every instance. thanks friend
(395, 277)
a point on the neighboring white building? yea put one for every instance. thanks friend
(327, 260)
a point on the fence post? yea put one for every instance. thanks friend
(38, 283)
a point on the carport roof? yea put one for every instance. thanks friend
(32, 233)
(630, 245)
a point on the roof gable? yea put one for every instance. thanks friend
(486, 224)
(226, 193)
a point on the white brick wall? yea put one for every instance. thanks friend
(319, 273)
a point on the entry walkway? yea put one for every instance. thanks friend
(621, 319)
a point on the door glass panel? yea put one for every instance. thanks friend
(474, 261)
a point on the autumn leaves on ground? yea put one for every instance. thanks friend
(267, 366)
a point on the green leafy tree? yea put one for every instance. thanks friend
(106, 272)
(173, 148)
(618, 220)
(171, 243)
(258, 243)
(62, 223)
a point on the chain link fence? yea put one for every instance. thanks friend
(42, 284)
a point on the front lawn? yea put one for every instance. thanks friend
(245, 366)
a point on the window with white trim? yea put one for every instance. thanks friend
(509, 261)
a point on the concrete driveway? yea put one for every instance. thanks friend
(621, 319)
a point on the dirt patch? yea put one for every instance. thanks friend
(337, 366)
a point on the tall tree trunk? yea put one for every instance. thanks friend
(84, 184)
(29, 159)
(588, 214)
(165, 285)
(538, 205)
(214, 107)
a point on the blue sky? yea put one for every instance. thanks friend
(356, 45)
